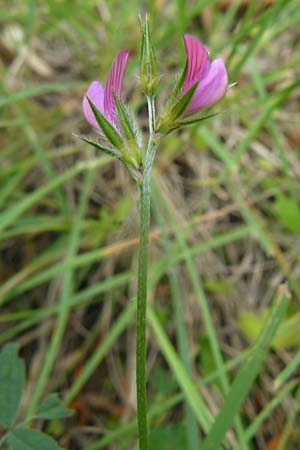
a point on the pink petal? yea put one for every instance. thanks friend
(211, 89)
(114, 84)
(197, 61)
(95, 93)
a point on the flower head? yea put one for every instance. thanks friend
(201, 85)
(104, 110)
(103, 98)
(212, 77)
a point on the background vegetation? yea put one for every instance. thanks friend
(225, 230)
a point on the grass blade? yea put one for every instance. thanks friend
(246, 375)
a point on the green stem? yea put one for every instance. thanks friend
(141, 313)
(145, 203)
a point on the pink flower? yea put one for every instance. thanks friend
(103, 97)
(212, 77)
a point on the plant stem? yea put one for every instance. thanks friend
(145, 203)
(141, 313)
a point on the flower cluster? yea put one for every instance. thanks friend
(103, 98)
(212, 77)
(201, 85)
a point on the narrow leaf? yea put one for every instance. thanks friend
(153, 71)
(27, 439)
(182, 104)
(131, 154)
(95, 144)
(12, 379)
(288, 212)
(166, 437)
(169, 117)
(148, 65)
(177, 88)
(246, 375)
(109, 131)
(124, 120)
(143, 71)
(187, 385)
(53, 408)
(287, 371)
(187, 123)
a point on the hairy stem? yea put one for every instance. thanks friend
(145, 203)
(141, 312)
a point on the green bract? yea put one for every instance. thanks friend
(148, 66)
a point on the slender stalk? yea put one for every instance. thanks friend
(141, 313)
(145, 203)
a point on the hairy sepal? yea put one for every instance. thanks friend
(108, 129)
(108, 151)
(131, 152)
(169, 118)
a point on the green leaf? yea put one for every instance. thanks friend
(207, 363)
(168, 118)
(287, 371)
(182, 104)
(168, 437)
(53, 408)
(153, 71)
(221, 285)
(187, 123)
(162, 381)
(131, 154)
(176, 89)
(12, 380)
(251, 323)
(109, 131)
(124, 120)
(27, 439)
(143, 59)
(95, 144)
(287, 335)
(187, 385)
(288, 212)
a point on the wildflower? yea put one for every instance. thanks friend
(212, 77)
(104, 111)
(201, 85)
(103, 98)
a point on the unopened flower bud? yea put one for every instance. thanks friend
(148, 65)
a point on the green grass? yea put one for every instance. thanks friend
(224, 231)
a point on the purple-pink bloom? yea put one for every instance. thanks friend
(103, 98)
(212, 77)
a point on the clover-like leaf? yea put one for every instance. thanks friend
(53, 408)
(12, 380)
(27, 439)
